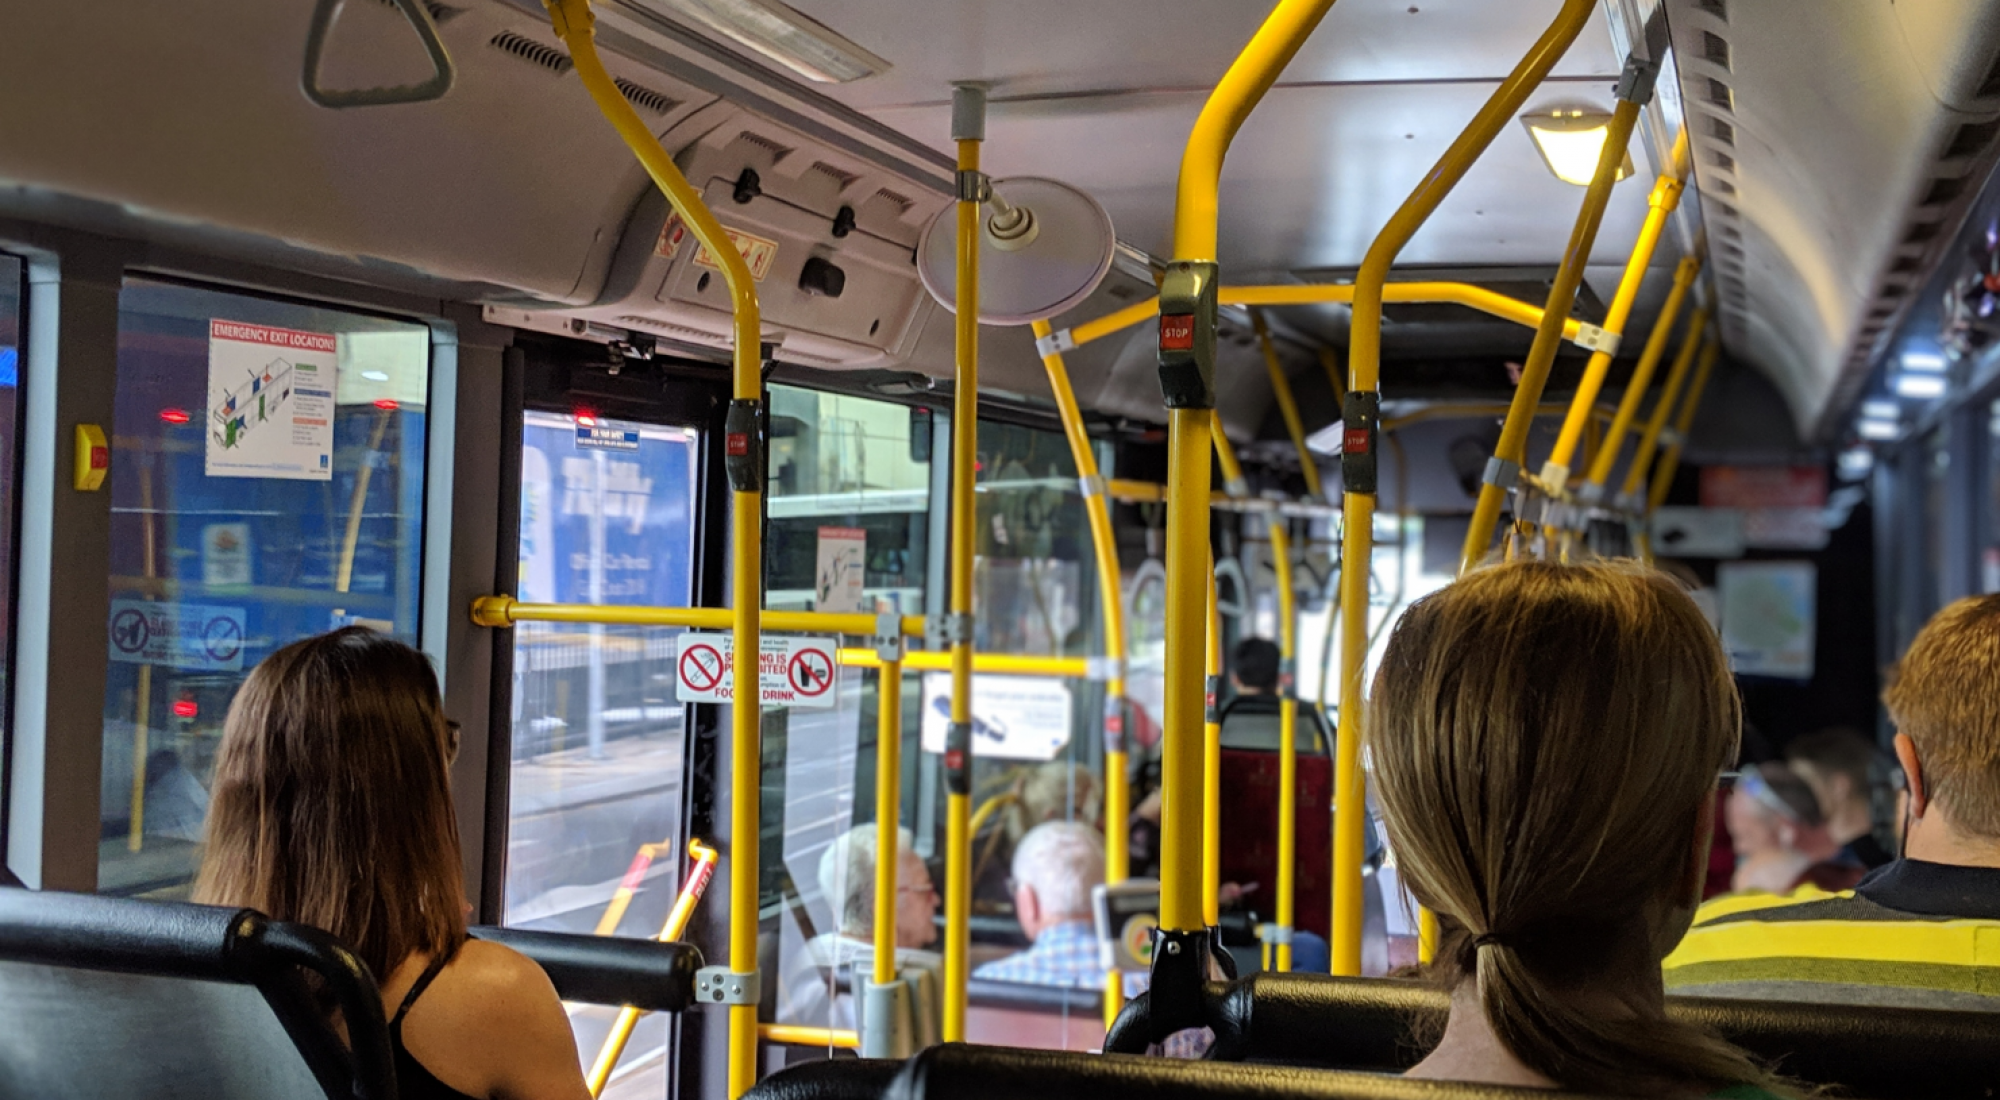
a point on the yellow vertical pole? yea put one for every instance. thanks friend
(968, 123)
(888, 798)
(1361, 415)
(1660, 205)
(1670, 462)
(1642, 376)
(743, 454)
(1281, 388)
(1512, 452)
(1288, 744)
(1211, 766)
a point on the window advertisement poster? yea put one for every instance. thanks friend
(1013, 717)
(605, 524)
(1769, 616)
(270, 401)
(843, 552)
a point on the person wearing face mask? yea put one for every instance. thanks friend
(1913, 933)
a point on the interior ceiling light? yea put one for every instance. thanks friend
(1923, 362)
(1877, 429)
(789, 37)
(1855, 462)
(1877, 409)
(1327, 440)
(1570, 140)
(1919, 385)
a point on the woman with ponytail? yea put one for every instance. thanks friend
(1546, 740)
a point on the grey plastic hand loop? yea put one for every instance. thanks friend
(443, 72)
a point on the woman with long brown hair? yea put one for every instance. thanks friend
(332, 807)
(1546, 740)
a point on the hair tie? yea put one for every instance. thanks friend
(1489, 939)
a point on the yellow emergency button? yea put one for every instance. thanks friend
(93, 458)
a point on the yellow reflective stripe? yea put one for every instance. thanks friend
(1950, 943)
(1731, 904)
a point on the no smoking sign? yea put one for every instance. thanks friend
(793, 670)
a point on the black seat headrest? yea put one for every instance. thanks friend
(149, 980)
(959, 1072)
(1374, 1023)
(830, 1079)
(607, 970)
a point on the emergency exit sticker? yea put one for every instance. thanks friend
(793, 670)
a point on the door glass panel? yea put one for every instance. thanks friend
(267, 475)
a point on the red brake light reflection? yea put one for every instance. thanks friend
(186, 708)
(174, 416)
(385, 403)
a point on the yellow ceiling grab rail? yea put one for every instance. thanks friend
(1503, 471)
(1361, 412)
(743, 451)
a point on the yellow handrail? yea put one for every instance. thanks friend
(1364, 367)
(800, 1036)
(998, 664)
(1660, 205)
(1464, 294)
(1281, 388)
(574, 25)
(968, 131)
(675, 927)
(1642, 457)
(1512, 450)
(1642, 376)
(888, 809)
(1663, 477)
(505, 611)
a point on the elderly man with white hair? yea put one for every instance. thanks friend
(847, 882)
(1055, 866)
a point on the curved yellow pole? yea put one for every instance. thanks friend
(1670, 462)
(1281, 388)
(888, 812)
(1660, 205)
(1189, 424)
(968, 130)
(1110, 586)
(1363, 410)
(1512, 451)
(1642, 458)
(1642, 377)
(574, 24)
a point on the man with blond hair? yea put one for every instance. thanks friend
(1920, 931)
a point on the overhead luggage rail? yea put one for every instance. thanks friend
(147, 982)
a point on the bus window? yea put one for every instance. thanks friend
(266, 485)
(10, 409)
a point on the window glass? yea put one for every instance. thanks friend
(1989, 543)
(10, 449)
(267, 472)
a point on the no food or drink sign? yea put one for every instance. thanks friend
(793, 670)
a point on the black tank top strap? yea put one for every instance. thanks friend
(423, 982)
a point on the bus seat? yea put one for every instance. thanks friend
(607, 970)
(829, 1079)
(960, 1072)
(119, 997)
(1371, 1023)
(1250, 832)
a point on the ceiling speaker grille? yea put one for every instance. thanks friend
(533, 52)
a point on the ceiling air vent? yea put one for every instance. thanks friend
(533, 52)
(1943, 190)
(777, 150)
(1721, 95)
(638, 95)
(1722, 161)
(1722, 131)
(842, 180)
(1972, 139)
(1715, 49)
(1717, 8)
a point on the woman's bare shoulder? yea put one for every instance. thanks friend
(494, 1023)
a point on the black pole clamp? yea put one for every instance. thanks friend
(1116, 722)
(958, 758)
(1212, 702)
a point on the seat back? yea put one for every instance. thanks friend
(960, 1072)
(118, 997)
(1364, 1023)
(1250, 821)
(831, 1079)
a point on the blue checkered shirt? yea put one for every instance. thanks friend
(1066, 955)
